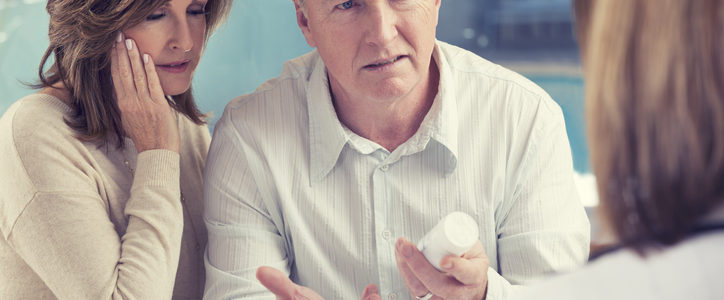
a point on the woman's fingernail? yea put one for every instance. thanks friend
(145, 58)
(447, 265)
(119, 38)
(129, 44)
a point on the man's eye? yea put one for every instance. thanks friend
(346, 5)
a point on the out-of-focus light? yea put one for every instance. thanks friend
(468, 33)
(3, 37)
(483, 41)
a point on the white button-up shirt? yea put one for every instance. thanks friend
(287, 185)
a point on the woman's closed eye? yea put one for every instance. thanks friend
(196, 12)
(196, 9)
(155, 16)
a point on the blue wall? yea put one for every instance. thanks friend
(249, 49)
(261, 34)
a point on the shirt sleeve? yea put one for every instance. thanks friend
(68, 240)
(243, 231)
(542, 227)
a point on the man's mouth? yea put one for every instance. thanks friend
(384, 63)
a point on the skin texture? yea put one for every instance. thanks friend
(278, 283)
(172, 34)
(389, 29)
(387, 103)
(147, 117)
(463, 277)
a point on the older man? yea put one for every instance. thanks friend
(377, 134)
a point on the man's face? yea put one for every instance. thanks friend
(374, 49)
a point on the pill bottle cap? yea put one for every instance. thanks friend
(461, 232)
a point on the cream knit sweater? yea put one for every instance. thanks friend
(75, 223)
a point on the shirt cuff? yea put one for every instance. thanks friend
(498, 287)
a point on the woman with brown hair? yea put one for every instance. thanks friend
(655, 109)
(101, 194)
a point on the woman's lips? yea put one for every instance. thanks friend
(179, 67)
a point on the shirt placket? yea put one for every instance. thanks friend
(384, 230)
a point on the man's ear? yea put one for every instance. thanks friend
(303, 23)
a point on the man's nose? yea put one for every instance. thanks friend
(382, 23)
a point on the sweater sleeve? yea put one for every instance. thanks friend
(64, 232)
(69, 241)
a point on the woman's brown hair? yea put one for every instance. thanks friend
(81, 34)
(655, 113)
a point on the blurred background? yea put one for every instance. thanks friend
(533, 37)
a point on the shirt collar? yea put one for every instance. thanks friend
(327, 135)
(442, 121)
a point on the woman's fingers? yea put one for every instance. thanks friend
(124, 70)
(150, 124)
(154, 84)
(139, 71)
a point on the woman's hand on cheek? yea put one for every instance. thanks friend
(147, 117)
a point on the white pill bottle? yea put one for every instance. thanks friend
(455, 234)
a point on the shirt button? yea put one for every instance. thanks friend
(384, 168)
(386, 234)
(392, 296)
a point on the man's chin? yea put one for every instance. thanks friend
(391, 89)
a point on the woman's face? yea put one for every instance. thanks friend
(173, 36)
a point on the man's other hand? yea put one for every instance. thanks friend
(278, 283)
